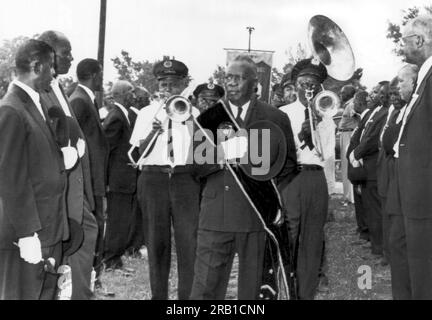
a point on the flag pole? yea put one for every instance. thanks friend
(101, 47)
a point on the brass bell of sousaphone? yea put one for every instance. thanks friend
(331, 46)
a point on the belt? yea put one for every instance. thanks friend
(309, 167)
(168, 169)
(346, 130)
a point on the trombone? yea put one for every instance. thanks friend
(177, 108)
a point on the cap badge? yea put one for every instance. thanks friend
(167, 64)
(210, 86)
(315, 61)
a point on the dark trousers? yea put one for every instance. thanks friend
(81, 262)
(306, 201)
(119, 226)
(401, 286)
(139, 226)
(100, 220)
(360, 213)
(385, 228)
(215, 254)
(20, 280)
(372, 204)
(166, 199)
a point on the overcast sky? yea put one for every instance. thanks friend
(196, 31)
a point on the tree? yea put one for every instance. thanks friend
(394, 29)
(138, 73)
(7, 61)
(219, 75)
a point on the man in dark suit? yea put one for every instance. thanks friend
(79, 196)
(122, 177)
(396, 239)
(384, 166)
(33, 221)
(361, 104)
(414, 157)
(227, 222)
(140, 225)
(85, 108)
(367, 153)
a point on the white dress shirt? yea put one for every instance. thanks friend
(33, 95)
(325, 132)
(235, 109)
(421, 75)
(134, 110)
(124, 110)
(55, 85)
(182, 135)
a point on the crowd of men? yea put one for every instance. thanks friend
(83, 186)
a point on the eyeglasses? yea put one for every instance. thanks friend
(234, 77)
(409, 36)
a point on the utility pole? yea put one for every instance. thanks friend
(101, 48)
(250, 29)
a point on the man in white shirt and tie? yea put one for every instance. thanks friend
(80, 198)
(413, 153)
(33, 218)
(167, 192)
(306, 197)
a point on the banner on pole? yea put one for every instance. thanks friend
(264, 62)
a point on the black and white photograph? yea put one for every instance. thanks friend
(220, 150)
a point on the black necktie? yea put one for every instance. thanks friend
(238, 118)
(170, 146)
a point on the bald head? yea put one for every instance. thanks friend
(417, 40)
(62, 47)
(123, 92)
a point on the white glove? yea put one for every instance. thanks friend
(235, 147)
(81, 147)
(70, 156)
(30, 249)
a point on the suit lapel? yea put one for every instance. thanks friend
(34, 112)
(419, 93)
(250, 114)
(123, 117)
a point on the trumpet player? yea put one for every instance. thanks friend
(306, 197)
(167, 191)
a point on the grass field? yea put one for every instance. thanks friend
(344, 258)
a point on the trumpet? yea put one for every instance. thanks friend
(325, 104)
(177, 108)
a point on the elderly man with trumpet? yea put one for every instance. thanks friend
(167, 191)
(306, 198)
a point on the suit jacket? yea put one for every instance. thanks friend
(88, 119)
(384, 171)
(121, 176)
(415, 156)
(367, 149)
(32, 174)
(79, 177)
(223, 205)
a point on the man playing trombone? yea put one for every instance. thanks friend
(167, 192)
(306, 197)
